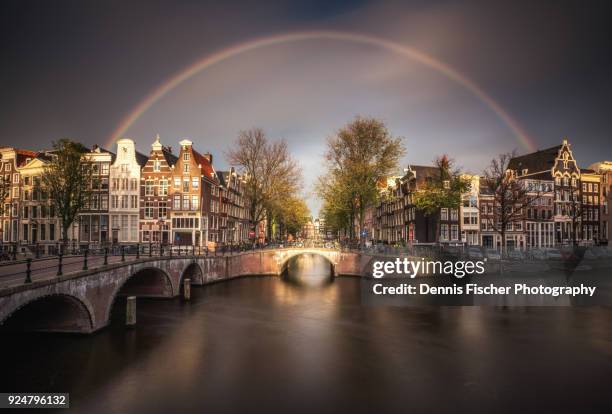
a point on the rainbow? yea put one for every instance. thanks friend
(524, 140)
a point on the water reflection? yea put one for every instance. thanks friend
(263, 344)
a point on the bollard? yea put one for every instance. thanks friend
(187, 289)
(150, 249)
(161, 249)
(105, 256)
(28, 271)
(138, 251)
(59, 264)
(37, 251)
(130, 311)
(85, 260)
(171, 248)
(122, 254)
(15, 252)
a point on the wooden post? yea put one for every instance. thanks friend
(130, 311)
(187, 289)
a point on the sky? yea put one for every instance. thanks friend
(79, 69)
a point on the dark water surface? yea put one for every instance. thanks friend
(306, 344)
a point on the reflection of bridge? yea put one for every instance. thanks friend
(81, 300)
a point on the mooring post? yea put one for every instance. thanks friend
(105, 256)
(150, 249)
(59, 264)
(28, 271)
(130, 311)
(123, 253)
(187, 289)
(15, 251)
(138, 251)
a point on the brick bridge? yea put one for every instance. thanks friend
(81, 300)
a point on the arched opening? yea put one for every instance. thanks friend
(149, 282)
(54, 313)
(308, 270)
(193, 272)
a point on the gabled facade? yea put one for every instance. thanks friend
(124, 206)
(194, 188)
(39, 226)
(155, 204)
(604, 170)
(11, 159)
(94, 220)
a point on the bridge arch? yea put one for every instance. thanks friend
(285, 259)
(194, 272)
(148, 282)
(57, 312)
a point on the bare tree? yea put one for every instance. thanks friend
(5, 187)
(574, 209)
(67, 181)
(271, 174)
(510, 197)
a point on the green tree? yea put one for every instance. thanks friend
(67, 181)
(358, 156)
(443, 191)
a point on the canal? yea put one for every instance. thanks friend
(305, 343)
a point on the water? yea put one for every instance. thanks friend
(304, 343)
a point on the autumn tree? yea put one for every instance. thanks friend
(291, 215)
(444, 190)
(510, 197)
(270, 173)
(67, 181)
(358, 157)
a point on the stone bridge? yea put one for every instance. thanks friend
(81, 301)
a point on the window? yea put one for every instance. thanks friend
(15, 192)
(185, 156)
(133, 201)
(162, 209)
(195, 181)
(156, 165)
(177, 202)
(15, 178)
(454, 214)
(51, 231)
(124, 183)
(7, 167)
(444, 232)
(194, 202)
(133, 184)
(454, 232)
(186, 168)
(104, 183)
(148, 210)
(95, 202)
(104, 169)
(124, 202)
(185, 202)
(163, 187)
(43, 232)
(185, 184)
(115, 201)
(444, 214)
(177, 182)
(584, 187)
(104, 202)
(149, 189)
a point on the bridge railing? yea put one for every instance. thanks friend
(26, 270)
